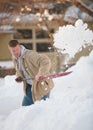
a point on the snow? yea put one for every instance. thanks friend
(70, 106)
(6, 64)
(71, 38)
(7, 29)
(73, 13)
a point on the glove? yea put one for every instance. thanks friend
(19, 79)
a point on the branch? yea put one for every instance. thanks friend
(83, 7)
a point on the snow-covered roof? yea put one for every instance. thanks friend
(7, 29)
(72, 13)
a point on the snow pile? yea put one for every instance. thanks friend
(11, 95)
(10, 89)
(70, 106)
(71, 38)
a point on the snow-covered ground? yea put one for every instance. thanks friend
(70, 106)
(6, 64)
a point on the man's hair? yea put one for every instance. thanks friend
(13, 43)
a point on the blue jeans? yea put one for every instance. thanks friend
(27, 100)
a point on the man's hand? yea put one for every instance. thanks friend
(19, 79)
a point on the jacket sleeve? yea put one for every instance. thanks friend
(42, 62)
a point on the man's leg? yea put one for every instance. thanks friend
(27, 100)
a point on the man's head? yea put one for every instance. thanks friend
(14, 48)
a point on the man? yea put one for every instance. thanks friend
(29, 66)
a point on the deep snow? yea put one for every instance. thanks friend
(70, 106)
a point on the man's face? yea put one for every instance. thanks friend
(16, 51)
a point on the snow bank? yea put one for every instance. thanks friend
(70, 106)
